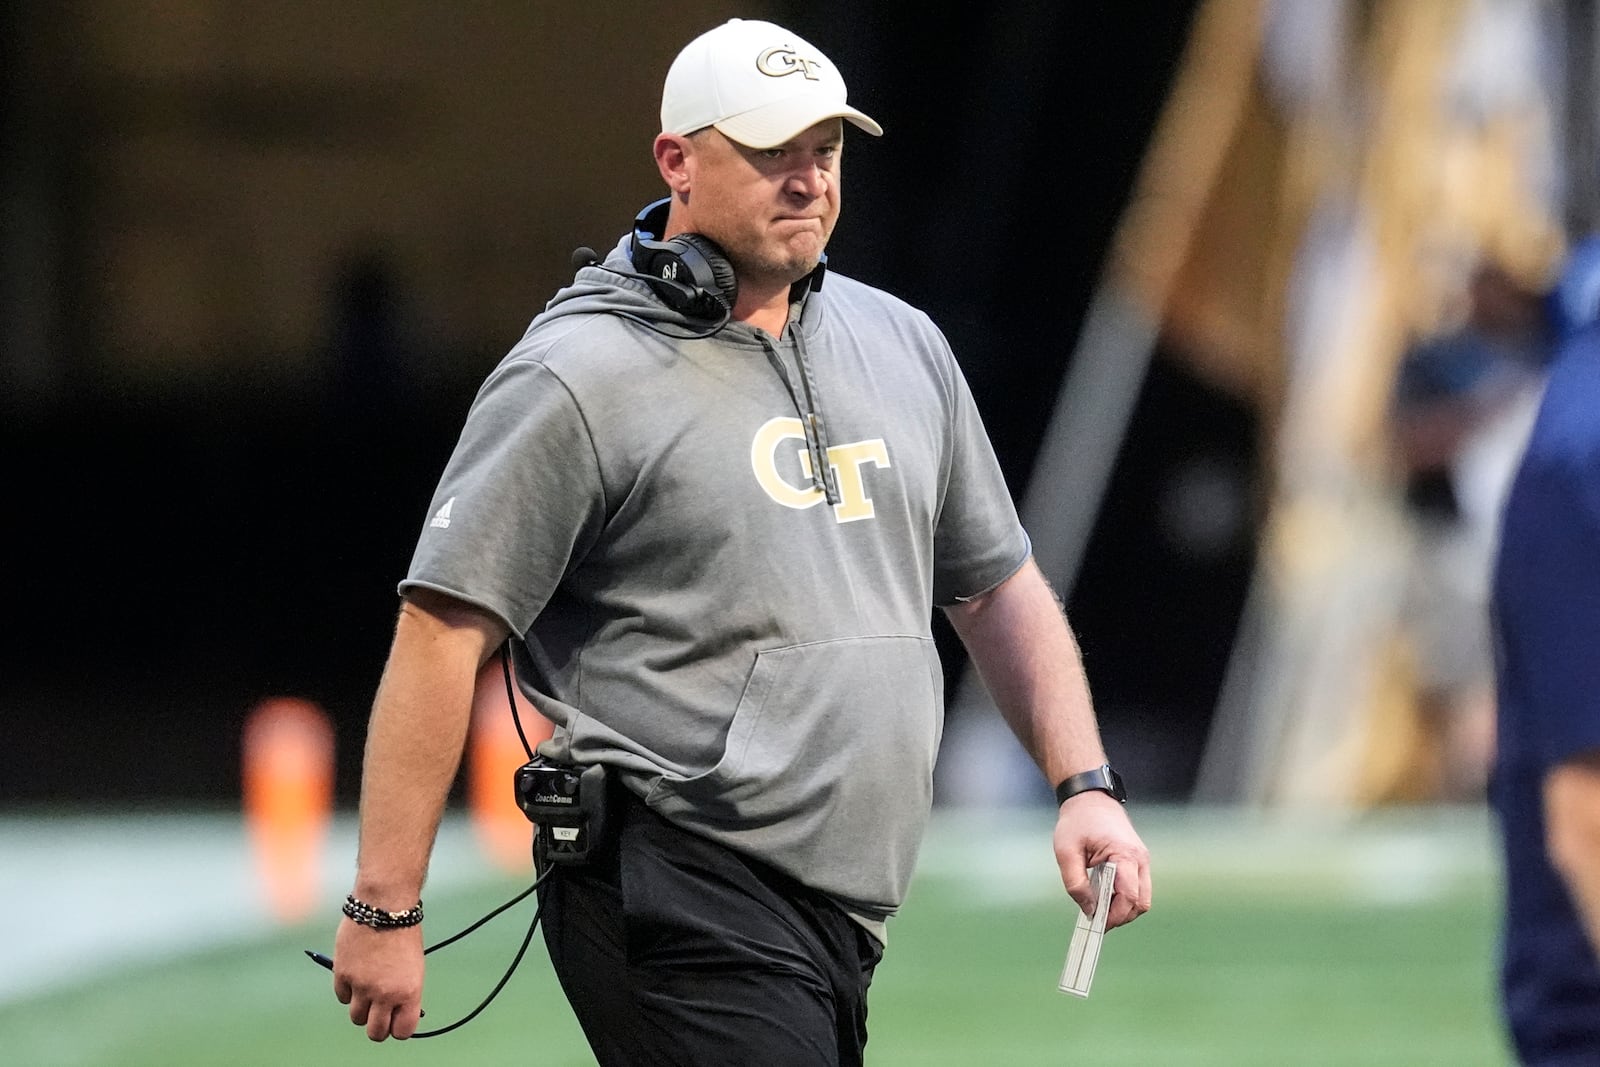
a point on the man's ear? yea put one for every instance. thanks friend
(673, 153)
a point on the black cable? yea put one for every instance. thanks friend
(511, 696)
(513, 902)
(515, 960)
(686, 335)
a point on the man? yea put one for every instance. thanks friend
(1463, 405)
(1546, 782)
(716, 529)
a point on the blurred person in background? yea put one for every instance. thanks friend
(714, 515)
(1545, 787)
(1464, 401)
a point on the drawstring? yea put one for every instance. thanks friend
(815, 427)
(811, 422)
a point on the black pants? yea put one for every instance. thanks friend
(675, 950)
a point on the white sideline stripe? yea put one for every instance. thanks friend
(1400, 857)
(82, 894)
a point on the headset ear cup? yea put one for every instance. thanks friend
(708, 265)
(690, 273)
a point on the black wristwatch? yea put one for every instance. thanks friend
(1102, 778)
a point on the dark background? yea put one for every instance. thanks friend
(188, 543)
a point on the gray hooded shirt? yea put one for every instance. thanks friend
(745, 639)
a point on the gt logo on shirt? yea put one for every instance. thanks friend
(846, 461)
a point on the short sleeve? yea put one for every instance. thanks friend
(978, 541)
(519, 500)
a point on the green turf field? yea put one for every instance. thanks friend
(1273, 942)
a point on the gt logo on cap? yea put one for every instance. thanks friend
(778, 62)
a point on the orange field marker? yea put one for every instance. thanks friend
(493, 755)
(287, 784)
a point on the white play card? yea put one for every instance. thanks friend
(1084, 951)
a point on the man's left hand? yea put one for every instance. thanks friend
(1091, 829)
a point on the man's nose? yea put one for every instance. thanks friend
(810, 180)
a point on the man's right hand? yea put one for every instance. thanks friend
(419, 726)
(379, 974)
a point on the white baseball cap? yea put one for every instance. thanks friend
(757, 83)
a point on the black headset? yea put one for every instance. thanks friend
(690, 273)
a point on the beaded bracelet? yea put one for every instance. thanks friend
(378, 919)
